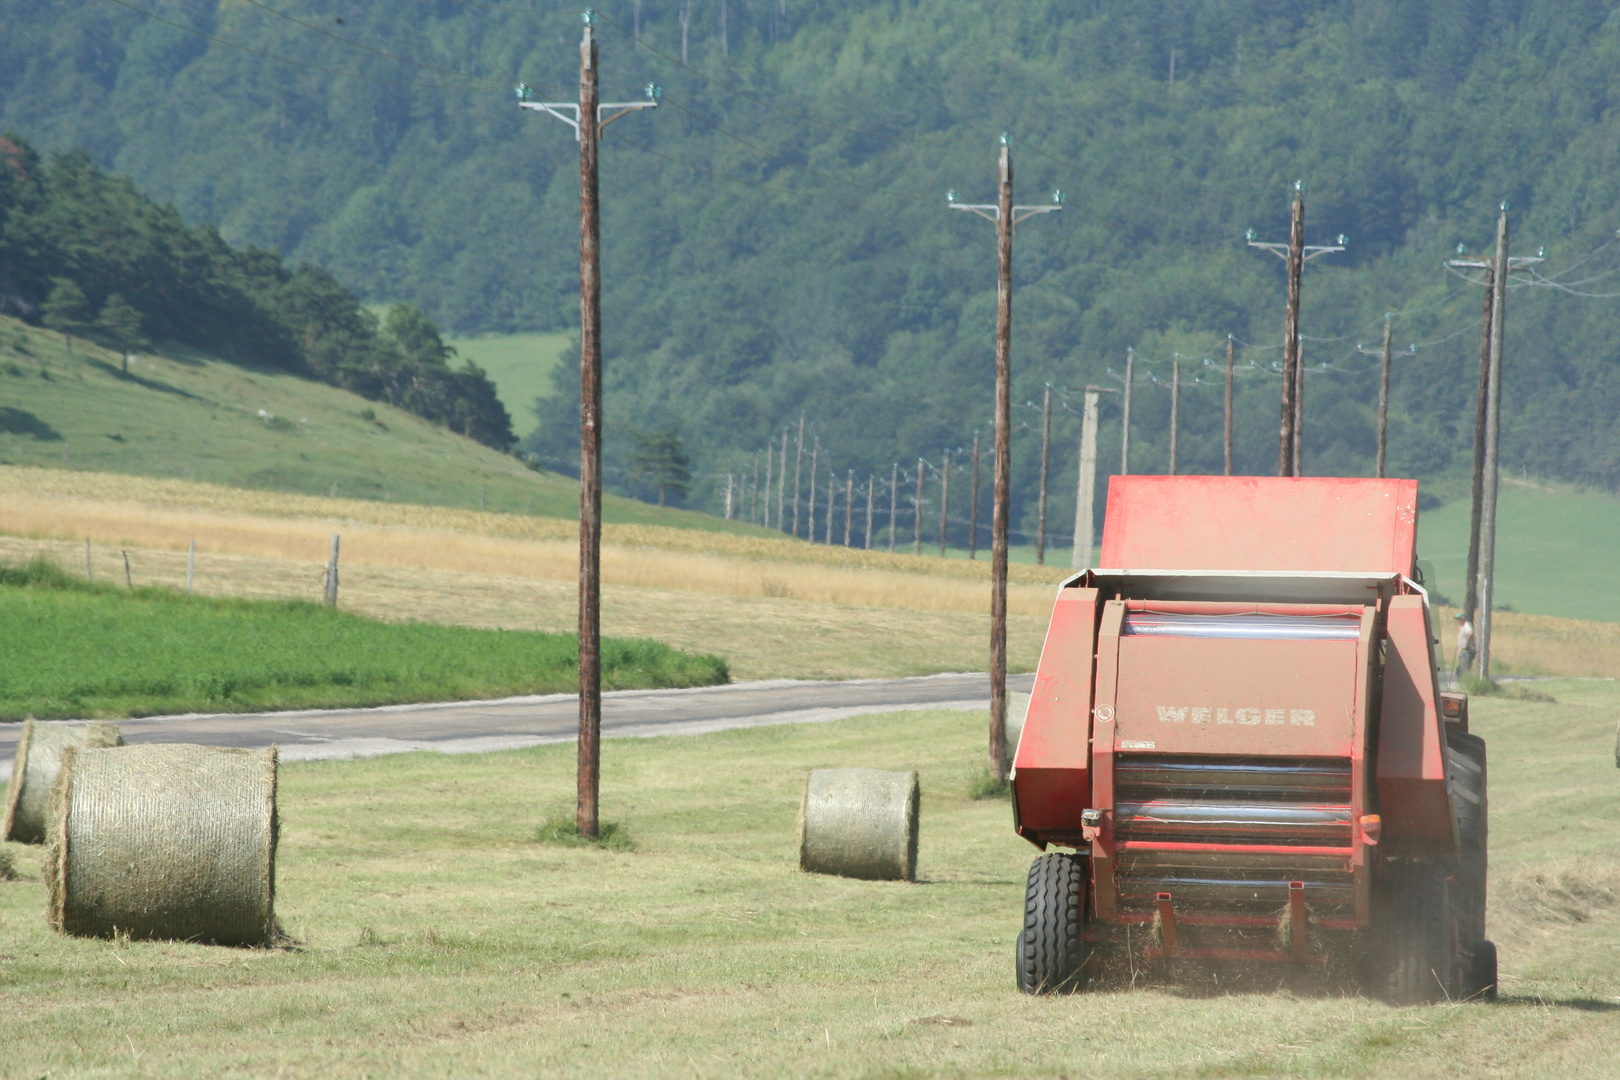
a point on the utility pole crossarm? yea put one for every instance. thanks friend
(1311, 250)
(568, 111)
(992, 212)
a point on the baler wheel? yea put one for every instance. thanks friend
(1051, 951)
(1471, 798)
(1419, 959)
(1483, 976)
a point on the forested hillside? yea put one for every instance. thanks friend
(777, 238)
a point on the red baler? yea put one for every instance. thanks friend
(1237, 726)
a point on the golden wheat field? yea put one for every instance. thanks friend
(774, 607)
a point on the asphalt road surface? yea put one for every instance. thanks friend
(468, 727)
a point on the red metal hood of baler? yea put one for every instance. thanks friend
(1277, 524)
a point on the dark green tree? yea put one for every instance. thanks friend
(65, 309)
(120, 324)
(662, 463)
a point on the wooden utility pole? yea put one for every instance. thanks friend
(588, 122)
(781, 484)
(894, 496)
(871, 486)
(1287, 451)
(1487, 377)
(1125, 414)
(1046, 443)
(832, 503)
(944, 501)
(1175, 410)
(916, 526)
(1493, 442)
(798, 463)
(815, 454)
(849, 504)
(590, 446)
(1383, 397)
(1477, 506)
(753, 507)
(1296, 253)
(1005, 215)
(1299, 414)
(1228, 444)
(973, 500)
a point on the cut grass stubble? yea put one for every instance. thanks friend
(440, 938)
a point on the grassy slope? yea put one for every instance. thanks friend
(74, 650)
(520, 366)
(1558, 552)
(183, 415)
(439, 939)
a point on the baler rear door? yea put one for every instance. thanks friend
(1237, 755)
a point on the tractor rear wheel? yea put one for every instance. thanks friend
(1482, 972)
(1420, 963)
(1470, 796)
(1051, 950)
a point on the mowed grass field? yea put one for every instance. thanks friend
(436, 937)
(181, 414)
(75, 649)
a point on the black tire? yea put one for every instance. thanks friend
(1470, 797)
(1051, 952)
(1482, 974)
(1420, 963)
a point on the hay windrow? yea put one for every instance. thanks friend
(39, 755)
(165, 841)
(860, 823)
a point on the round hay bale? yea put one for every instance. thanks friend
(859, 823)
(164, 841)
(39, 756)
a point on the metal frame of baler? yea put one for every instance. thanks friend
(1372, 592)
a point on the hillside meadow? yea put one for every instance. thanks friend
(181, 414)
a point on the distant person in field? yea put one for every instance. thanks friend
(1465, 645)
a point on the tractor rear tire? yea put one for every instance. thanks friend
(1482, 973)
(1051, 949)
(1420, 960)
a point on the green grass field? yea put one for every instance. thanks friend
(520, 365)
(75, 650)
(1558, 551)
(438, 938)
(178, 414)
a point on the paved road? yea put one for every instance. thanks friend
(466, 727)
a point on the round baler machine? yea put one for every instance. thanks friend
(1238, 729)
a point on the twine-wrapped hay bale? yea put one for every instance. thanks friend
(39, 755)
(164, 841)
(859, 823)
